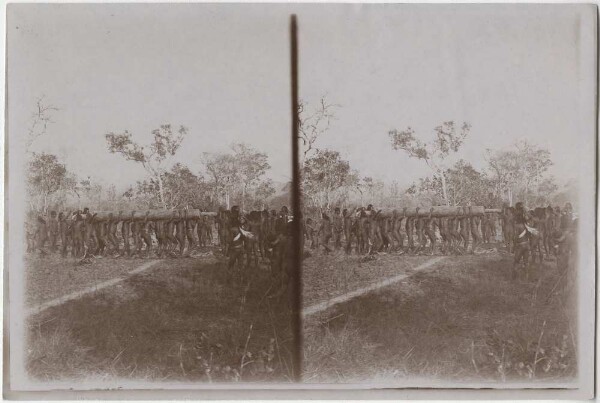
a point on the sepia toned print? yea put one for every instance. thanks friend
(383, 200)
(156, 193)
(441, 180)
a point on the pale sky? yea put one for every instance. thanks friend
(223, 71)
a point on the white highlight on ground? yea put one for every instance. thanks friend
(88, 290)
(322, 306)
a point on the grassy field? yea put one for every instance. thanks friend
(183, 319)
(461, 320)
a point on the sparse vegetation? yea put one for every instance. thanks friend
(462, 320)
(189, 321)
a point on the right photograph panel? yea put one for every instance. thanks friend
(447, 156)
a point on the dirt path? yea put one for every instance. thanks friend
(96, 287)
(322, 306)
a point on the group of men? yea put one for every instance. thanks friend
(531, 234)
(243, 237)
(543, 232)
(256, 235)
(368, 231)
(118, 235)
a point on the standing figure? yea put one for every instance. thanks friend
(475, 221)
(53, 232)
(325, 231)
(430, 225)
(338, 228)
(145, 229)
(41, 235)
(125, 234)
(113, 223)
(63, 231)
(521, 240)
(465, 229)
(508, 227)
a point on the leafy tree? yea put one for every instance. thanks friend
(224, 175)
(518, 171)
(165, 144)
(183, 188)
(239, 175)
(46, 177)
(447, 141)
(324, 174)
(252, 166)
(263, 191)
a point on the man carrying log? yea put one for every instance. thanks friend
(465, 229)
(113, 223)
(135, 228)
(337, 227)
(347, 227)
(159, 232)
(409, 227)
(474, 221)
(508, 227)
(397, 239)
(101, 230)
(77, 233)
(63, 231)
(125, 233)
(145, 229)
(325, 232)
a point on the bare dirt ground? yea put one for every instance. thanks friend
(183, 319)
(463, 319)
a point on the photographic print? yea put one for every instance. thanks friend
(301, 200)
(448, 160)
(150, 168)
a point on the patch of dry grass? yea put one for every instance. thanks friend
(184, 319)
(465, 320)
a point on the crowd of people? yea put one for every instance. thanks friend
(82, 234)
(543, 232)
(243, 238)
(246, 238)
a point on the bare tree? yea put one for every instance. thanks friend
(40, 119)
(312, 124)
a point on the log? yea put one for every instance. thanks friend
(438, 211)
(493, 210)
(152, 214)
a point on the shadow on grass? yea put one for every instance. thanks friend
(463, 321)
(183, 320)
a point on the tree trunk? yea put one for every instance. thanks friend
(244, 197)
(161, 195)
(444, 188)
(45, 207)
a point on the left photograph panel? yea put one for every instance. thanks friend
(148, 195)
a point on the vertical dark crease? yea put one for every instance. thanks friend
(296, 288)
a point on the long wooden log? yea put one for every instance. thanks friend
(493, 210)
(438, 211)
(151, 214)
